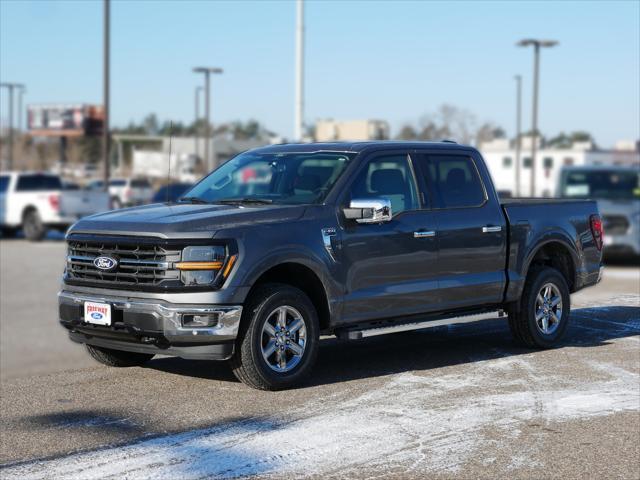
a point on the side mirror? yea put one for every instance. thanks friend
(370, 210)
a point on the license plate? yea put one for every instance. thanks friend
(97, 313)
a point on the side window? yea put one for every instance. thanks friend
(456, 182)
(387, 177)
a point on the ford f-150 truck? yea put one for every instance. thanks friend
(285, 243)
(38, 202)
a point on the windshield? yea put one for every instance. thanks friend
(602, 184)
(287, 178)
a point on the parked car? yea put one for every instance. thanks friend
(284, 243)
(126, 192)
(617, 190)
(37, 202)
(171, 192)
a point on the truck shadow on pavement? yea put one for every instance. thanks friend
(340, 361)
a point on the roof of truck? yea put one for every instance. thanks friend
(356, 146)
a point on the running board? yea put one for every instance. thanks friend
(357, 334)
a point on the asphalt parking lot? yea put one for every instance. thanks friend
(460, 402)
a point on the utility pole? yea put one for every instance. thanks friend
(534, 113)
(207, 127)
(21, 91)
(518, 129)
(105, 94)
(299, 105)
(10, 87)
(196, 132)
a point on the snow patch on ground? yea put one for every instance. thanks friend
(414, 424)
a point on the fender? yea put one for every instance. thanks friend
(300, 255)
(521, 258)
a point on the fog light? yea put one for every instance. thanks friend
(195, 321)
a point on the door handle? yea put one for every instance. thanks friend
(491, 229)
(424, 234)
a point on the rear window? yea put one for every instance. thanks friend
(38, 182)
(456, 182)
(140, 183)
(117, 183)
(4, 184)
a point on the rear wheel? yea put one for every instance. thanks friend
(543, 315)
(118, 358)
(278, 343)
(33, 227)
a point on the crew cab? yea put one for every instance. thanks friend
(37, 202)
(285, 243)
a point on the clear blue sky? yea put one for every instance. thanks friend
(385, 59)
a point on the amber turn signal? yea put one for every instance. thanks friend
(199, 265)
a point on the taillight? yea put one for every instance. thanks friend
(128, 193)
(597, 230)
(54, 202)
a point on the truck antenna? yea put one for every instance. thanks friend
(169, 163)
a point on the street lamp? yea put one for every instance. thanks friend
(21, 93)
(196, 130)
(518, 129)
(537, 44)
(106, 17)
(207, 127)
(10, 87)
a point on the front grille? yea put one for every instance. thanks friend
(138, 265)
(615, 224)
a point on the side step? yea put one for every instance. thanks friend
(357, 334)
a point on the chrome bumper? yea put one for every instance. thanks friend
(166, 316)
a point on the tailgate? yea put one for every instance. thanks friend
(83, 202)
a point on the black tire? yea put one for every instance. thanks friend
(32, 226)
(118, 358)
(248, 364)
(8, 232)
(525, 328)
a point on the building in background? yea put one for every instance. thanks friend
(351, 130)
(148, 155)
(500, 156)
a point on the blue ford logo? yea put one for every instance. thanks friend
(96, 316)
(105, 263)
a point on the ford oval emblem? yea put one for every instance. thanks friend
(105, 264)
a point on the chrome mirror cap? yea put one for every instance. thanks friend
(369, 210)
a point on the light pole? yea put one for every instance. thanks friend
(196, 132)
(21, 91)
(518, 129)
(207, 127)
(299, 102)
(105, 93)
(10, 87)
(537, 44)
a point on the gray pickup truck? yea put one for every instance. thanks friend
(286, 243)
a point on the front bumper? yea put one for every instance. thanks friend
(152, 326)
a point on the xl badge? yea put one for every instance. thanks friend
(106, 264)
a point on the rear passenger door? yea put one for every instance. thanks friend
(471, 234)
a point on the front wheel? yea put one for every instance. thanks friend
(543, 315)
(278, 342)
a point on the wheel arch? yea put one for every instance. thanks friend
(300, 275)
(556, 253)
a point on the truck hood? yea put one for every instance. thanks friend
(184, 219)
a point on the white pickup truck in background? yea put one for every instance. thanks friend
(37, 202)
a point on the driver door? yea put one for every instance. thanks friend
(389, 266)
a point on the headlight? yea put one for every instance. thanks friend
(201, 265)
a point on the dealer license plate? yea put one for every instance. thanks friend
(98, 313)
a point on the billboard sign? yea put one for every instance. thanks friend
(65, 120)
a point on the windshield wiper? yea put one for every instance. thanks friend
(194, 200)
(259, 201)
